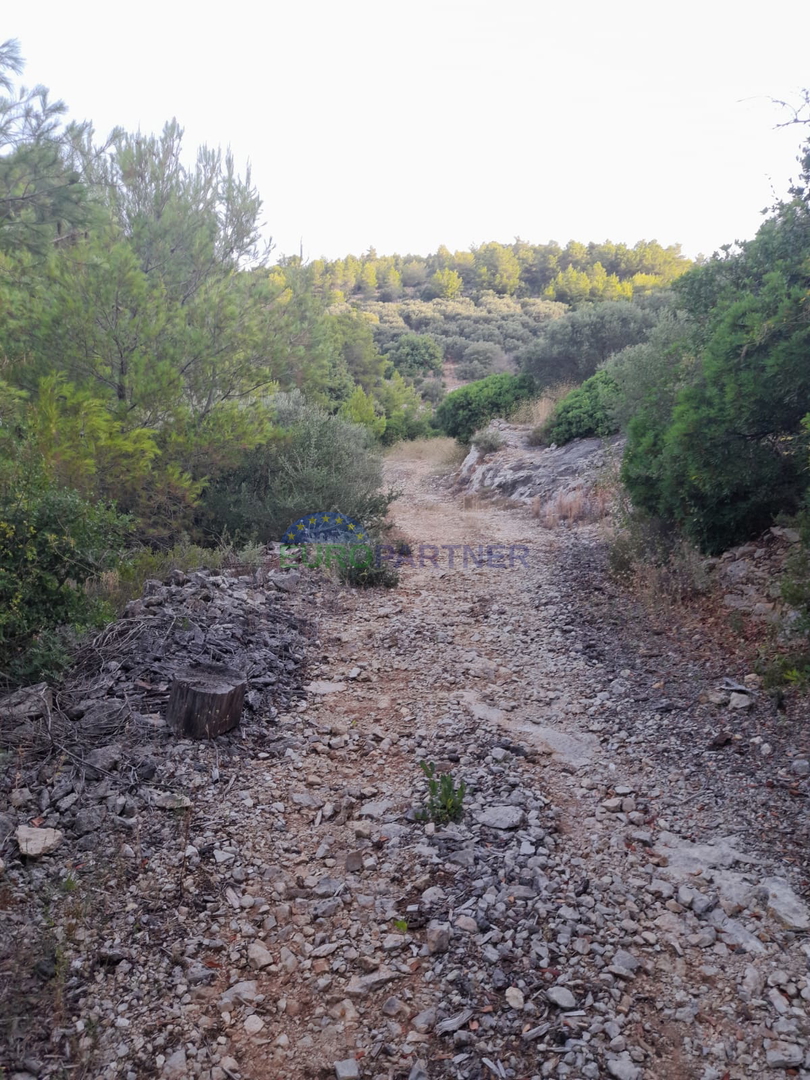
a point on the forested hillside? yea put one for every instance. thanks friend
(163, 380)
(712, 382)
(569, 274)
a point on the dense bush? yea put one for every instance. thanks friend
(52, 541)
(650, 375)
(479, 360)
(586, 411)
(718, 445)
(456, 324)
(570, 349)
(416, 354)
(370, 574)
(471, 407)
(314, 462)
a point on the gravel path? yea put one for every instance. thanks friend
(617, 900)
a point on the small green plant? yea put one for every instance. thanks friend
(401, 925)
(371, 575)
(70, 883)
(445, 800)
(487, 442)
(789, 670)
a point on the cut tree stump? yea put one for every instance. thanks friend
(205, 701)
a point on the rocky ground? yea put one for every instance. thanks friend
(621, 896)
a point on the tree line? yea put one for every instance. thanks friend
(570, 274)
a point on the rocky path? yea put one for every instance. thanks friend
(608, 905)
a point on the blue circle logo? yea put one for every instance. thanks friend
(325, 527)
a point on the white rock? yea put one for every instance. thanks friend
(246, 991)
(320, 687)
(347, 1069)
(561, 997)
(785, 905)
(488, 713)
(418, 1072)
(360, 985)
(36, 842)
(258, 956)
(739, 701)
(784, 1055)
(501, 817)
(753, 981)
(438, 938)
(622, 1068)
(626, 960)
(253, 1024)
(514, 995)
(571, 750)
(175, 1066)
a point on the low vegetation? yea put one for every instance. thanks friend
(445, 799)
(163, 383)
(466, 410)
(585, 412)
(487, 442)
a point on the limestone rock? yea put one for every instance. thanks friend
(37, 842)
(562, 997)
(501, 817)
(258, 956)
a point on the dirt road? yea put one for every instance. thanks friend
(597, 910)
(588, 916)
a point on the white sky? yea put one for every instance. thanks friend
(404, 125)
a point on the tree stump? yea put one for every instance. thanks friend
(205, 701)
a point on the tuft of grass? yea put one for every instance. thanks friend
(487, 442)
(660, 567)
(441, 452)
(539, 411)
(369, 576)
(537, 436)
(572, 507)
(473, 502)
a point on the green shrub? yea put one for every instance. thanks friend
(471, 407)
(368, 575)
(571, 349)
(585, 412)
(445, 800)
(727, 451)
(314, 462)
(51, 543)
(414, 354)
(650, 375)
(796, 581)
(479, 359)
(487, 442)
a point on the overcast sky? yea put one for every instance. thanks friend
(405, 125)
